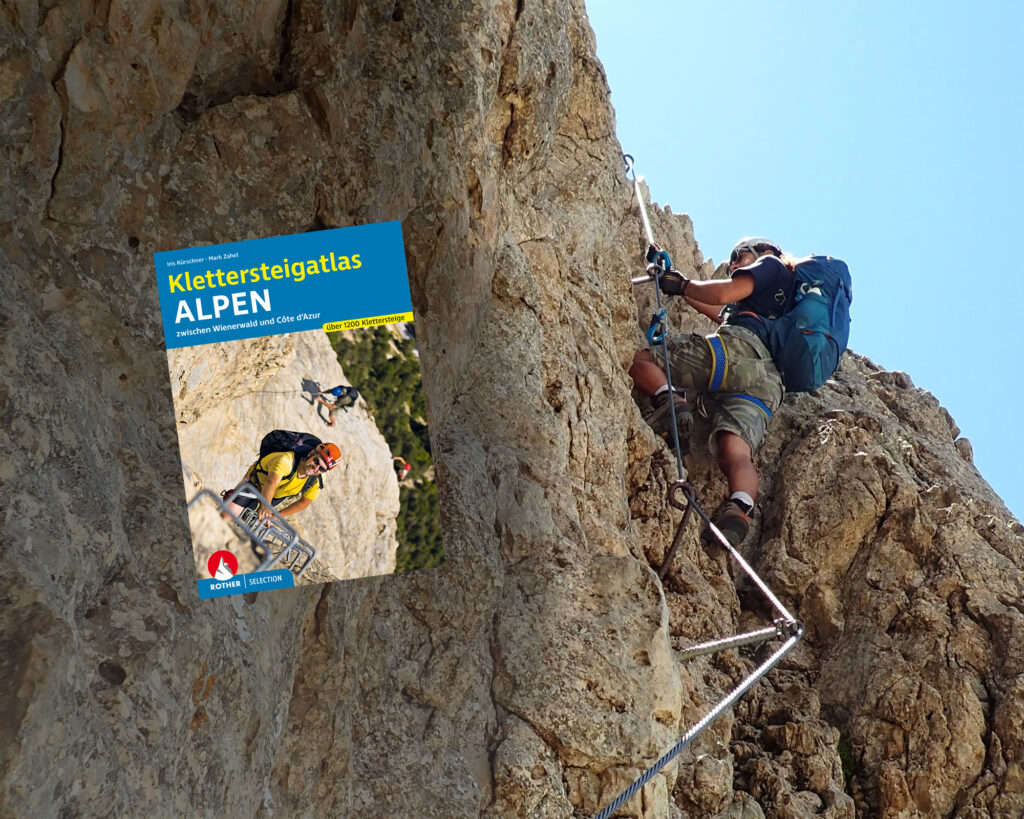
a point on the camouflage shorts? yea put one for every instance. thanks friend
(734, 370)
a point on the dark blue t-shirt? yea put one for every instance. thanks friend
(773, 286)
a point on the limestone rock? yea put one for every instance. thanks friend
(534, 672)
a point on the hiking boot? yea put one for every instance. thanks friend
(660, 419)
(731, 521)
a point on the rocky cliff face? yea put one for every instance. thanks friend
(533, 675)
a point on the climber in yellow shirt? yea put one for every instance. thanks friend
(279, 478)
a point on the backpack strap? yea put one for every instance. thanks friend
(259, 468)
(295, 467)
(289, 476)
(310, 480)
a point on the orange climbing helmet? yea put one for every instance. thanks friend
(329, 453)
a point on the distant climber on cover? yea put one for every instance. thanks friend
(735, 367)
(289, 467)
(402, 468)
(337, 398)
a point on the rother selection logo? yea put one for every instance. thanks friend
(222, 565)
(225, 579)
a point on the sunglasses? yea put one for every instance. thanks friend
(319, 464)
(739, 251)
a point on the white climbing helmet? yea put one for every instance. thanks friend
(756, 245)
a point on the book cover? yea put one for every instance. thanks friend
(299, 409)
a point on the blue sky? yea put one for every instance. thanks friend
(887, 134)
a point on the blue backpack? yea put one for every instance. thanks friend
(809, 339)
(345, 397)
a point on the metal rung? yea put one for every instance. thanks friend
(283, 534)
(290, 544)
(275, 526)
(705, 721)
(714, 646)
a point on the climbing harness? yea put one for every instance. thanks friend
(784, 626)
(272, 531)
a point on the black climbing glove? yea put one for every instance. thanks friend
(673, 283)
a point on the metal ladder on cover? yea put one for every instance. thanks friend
(272, 530)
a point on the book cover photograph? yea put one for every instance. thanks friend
(299, 409)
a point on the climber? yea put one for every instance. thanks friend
(733, 364)
(402, 467)
(284, 474)
(337, 398)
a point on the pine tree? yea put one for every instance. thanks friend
(386, 371)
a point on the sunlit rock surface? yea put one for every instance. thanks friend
(533, 674)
